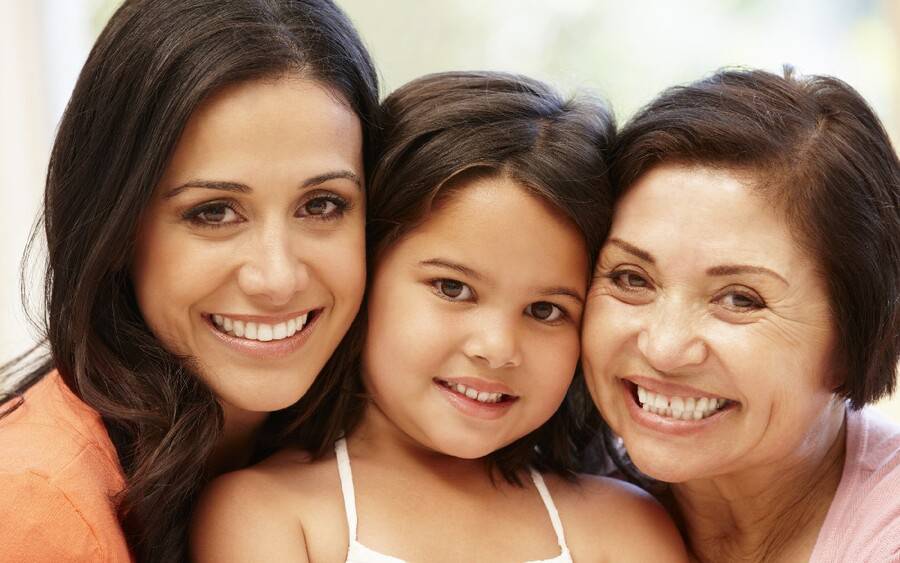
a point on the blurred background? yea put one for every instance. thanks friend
(626, 52)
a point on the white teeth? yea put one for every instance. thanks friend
(480, 396)
(679, 408)
(260, 331)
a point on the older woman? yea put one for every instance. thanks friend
(205, 218)
(746, 309)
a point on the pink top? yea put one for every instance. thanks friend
(863, 523)
(58, 474)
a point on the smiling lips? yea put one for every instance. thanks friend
(262, 332)
(487, 397)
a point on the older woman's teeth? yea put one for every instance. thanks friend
(261, 332)
(679, 408)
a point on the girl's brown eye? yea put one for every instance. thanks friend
(545, 311)
(451, 288)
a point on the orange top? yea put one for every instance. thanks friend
(58, 472)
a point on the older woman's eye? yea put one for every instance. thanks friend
(214, 214)
(628, 280)
(545, 311)
(740, 301)
(452, 290)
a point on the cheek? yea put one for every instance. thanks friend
(170, 275)
(406, 332)
(340, 263)
(551, 365)
(608, 326)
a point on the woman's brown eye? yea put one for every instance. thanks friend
(215, 214)
(319, 206)
(635, 280)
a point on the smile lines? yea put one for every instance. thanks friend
(262, 332)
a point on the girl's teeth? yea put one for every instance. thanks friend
(481, 397)
(260, 331)
(679, 408)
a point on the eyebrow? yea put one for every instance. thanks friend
(465, 270)
(734, 269)
(642, 254)
(722, 270)
(237, 187)
(450, 265)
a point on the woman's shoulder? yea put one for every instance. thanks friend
(59, 474)
(871, 479)
(52, 432)
(264, 511)
(610, 516)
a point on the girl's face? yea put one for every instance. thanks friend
(250, 257)
(474, 319)
(708, 335)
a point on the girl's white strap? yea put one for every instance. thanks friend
(343, 463)
(551, 509)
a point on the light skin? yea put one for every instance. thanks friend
(489, 291)
(259, 218)
(702, 290)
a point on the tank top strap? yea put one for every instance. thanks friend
(539, 484)
(343, 464)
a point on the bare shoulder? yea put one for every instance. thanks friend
(610, 520)
(256, 513)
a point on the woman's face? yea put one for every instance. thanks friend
(250, 257)
(707, 335)
(473, 321)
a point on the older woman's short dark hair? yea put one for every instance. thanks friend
(814, 148)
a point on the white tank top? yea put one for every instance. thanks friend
(358, 553)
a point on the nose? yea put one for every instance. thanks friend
(669, 339)
(273, 271)
(494, 342)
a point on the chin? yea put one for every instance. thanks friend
(462, 448)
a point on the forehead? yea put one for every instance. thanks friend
(497, 227)
(706, 216)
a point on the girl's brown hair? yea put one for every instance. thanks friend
(445, 129)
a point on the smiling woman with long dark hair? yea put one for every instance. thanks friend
(204, 216)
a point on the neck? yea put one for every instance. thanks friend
(236, 443)
(769, 512)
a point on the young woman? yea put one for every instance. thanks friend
(204, 215)
(464, 418)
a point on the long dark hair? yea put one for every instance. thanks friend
(440, 129)
(152, 65)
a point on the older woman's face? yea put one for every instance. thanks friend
(707, 333)
(250, 259)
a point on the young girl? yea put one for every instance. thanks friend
(462, 428)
